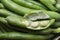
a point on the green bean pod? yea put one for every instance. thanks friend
(5, 13)
(29, 13)
(37, 3)
(25, 36)
(56, 24)
(4, 25)
(58, 4)
(6, 28)
(48, 4)
(1, 6)
(16, 8)
(40, 32)
(28, 4)
(34, 25)
(46, 31)
(51, 13)
(57, 30)
(4, 21)
(53, 1)
(43, 15)
(43, 32)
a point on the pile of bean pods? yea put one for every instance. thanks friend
(29, 19)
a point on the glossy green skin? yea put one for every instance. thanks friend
(25, 11)
(46, 31)
(48, 4)
(16, 35)
(15, 7)
(51, 13)
(5, 13)
(37, 3)
(21, 22)
(1, 6)
(36, 32)
(17, 21)
(28, 4)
